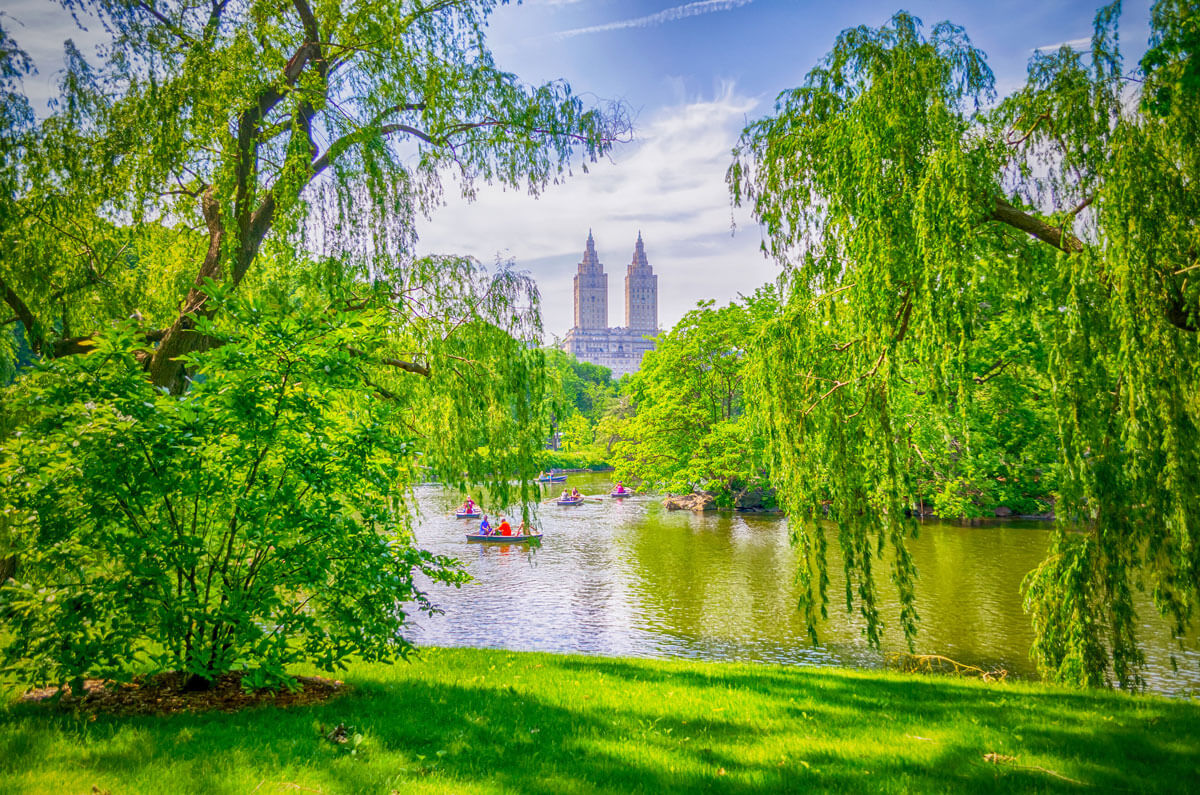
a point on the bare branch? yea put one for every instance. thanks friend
(175, 30)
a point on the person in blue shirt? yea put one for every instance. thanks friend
(485, 529)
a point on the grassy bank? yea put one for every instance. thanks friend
(468, 720)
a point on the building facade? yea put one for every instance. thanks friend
(592, 340)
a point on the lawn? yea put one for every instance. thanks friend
(472, 720)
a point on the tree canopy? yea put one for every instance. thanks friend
(222, 127)
(688, 428)
(908, 208)
(208, 254)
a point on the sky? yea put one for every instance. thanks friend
(693, 74)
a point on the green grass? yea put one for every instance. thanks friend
(470, 720)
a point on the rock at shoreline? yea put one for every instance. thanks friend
(696, 501)
(753, 500)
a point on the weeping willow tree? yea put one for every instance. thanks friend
(907, 205)
(239, 364)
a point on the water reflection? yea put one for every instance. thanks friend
(629, 578)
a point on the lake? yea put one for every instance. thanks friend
(629, 578)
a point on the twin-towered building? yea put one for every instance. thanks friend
(591, 340)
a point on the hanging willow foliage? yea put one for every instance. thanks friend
(911, 214)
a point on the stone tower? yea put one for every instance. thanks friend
(591, 291)
(641, 292)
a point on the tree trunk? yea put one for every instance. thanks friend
(180, 339)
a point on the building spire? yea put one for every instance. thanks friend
(590, 260)
(639, 254)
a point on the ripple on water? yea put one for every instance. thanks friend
(626, 577)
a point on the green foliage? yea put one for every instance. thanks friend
(688, 427)
(908, 223)
(254, 521)
(997, 448)
(593, 458)
(1172, 62)
(576, 387)
(577, 433)
(579, 395)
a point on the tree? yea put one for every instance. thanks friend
(577, 433)
(577, 387)
(689, 429)
(312, 126)
(266, 161)
(898, 203)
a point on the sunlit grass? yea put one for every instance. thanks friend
(470, 720)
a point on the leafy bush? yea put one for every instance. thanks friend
(255, 520)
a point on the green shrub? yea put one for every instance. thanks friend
(253, 521)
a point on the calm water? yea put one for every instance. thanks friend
(627, 577)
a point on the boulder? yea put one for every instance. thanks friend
(696, 501)
(756, 499)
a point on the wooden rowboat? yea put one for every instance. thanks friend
(503, 539)
(552, 479)
(461, 515)
(626, 493)
(569, 502)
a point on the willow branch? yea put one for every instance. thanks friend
(1057, 236)
(401, 364)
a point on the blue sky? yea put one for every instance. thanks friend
(693, 73)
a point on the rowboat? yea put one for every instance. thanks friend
(503, 539)
(626, 493)
(575, 501)
(552, 479)
(464, 515)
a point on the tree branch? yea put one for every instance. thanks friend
(22, 312)
(1057, 236)
(993, 371)
(411, 367)
(175, 30)
(1176, 311)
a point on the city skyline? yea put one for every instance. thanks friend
(591, 338)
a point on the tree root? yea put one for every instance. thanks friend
(940, 664)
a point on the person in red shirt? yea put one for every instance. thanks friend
(505, 529)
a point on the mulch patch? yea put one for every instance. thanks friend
(163, 694)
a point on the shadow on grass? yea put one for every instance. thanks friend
(621, 730)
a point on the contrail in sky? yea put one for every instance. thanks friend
(666, 15)
(1074, 44)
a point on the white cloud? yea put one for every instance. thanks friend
(666, 15)
(1074, 44)
(669, 184)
